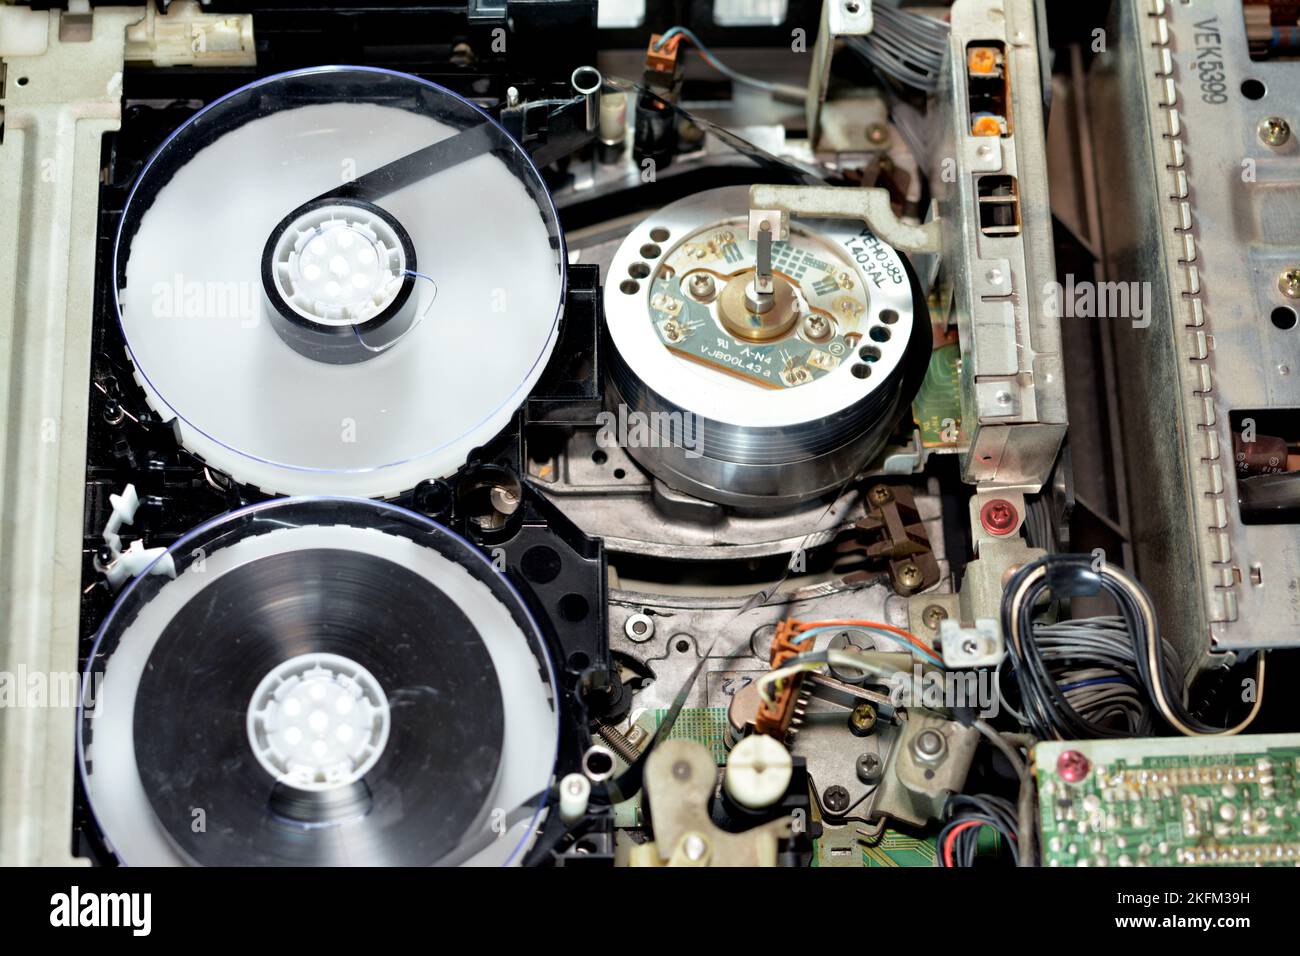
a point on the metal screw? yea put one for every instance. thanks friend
(1072, 766)
(816, 327)
(695, 846)
(930, 745)
(1274, 131)
(999, 516)
(877, 134)
(869, 768)
(880, 494)
(1289, 283)
(862, 720)
(835, 799)
(702, 286)
(932, 615)
(910, 576)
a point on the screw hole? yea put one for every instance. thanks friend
(1253, 89)
(629, 287)
(861, 371)
(879, 333)
(638, 270)
(869, 353)
(1283, 317)
(889, 316)
(659, 234)
(650, 251)
(574, 607)
(541, 564)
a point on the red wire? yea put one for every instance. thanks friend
(948, 841)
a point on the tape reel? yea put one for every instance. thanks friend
(339, 280)
(323, 682)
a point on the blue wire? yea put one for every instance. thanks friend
(1095, 681)
(672, 32)
(839, 629)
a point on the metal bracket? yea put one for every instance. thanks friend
(869, 204)
(894, 532)
(840, 18)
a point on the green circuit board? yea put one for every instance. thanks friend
(687, 328)
(1170, 802)
(708, 725)
(937, 406)
(841, 846)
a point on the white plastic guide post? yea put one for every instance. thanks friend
(318, 722)
(758, 772)
(575, 792)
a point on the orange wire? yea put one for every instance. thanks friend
(805, 625)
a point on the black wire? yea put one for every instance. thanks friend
(1049, 714)
(996, 812)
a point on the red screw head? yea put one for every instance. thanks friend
(999, 516)
(1072, 766)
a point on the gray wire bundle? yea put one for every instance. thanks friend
(905, 46)
(1092, 662)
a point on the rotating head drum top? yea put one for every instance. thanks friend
(785, 395)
